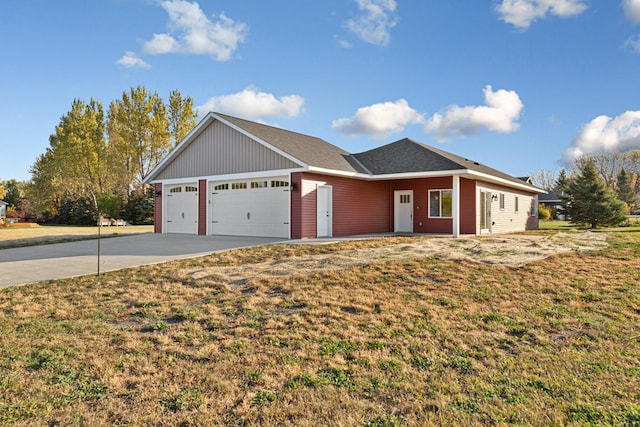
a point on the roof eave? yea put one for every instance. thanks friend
(150, 179)
(497, 180)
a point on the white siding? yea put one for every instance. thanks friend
(221, 150)
(506, 220)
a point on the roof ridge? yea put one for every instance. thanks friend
(277, 128)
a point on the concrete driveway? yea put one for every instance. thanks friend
(20, 266)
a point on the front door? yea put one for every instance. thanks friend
(324, 211)
(403, 210)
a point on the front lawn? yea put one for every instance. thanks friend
(11, 237)
(237, 339)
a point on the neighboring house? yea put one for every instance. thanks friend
(231, 176)
(553, 200)
(3, 210)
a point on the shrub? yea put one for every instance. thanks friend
(544, 213)
(139, 208)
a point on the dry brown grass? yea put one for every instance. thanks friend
(11, 237)
(381, 341)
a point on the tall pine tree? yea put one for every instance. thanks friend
(589, 201)
(625, 191)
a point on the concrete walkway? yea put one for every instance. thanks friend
(20, 266)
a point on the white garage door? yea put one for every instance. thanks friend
(182, 208)
(255, 207)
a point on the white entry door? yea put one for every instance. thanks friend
(403, 210)
(182, 208)
(324, 204)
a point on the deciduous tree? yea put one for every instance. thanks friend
(182, 117)
(139, 133)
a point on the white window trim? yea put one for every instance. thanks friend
(440, 199)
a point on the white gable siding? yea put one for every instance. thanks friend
(506, 220)
(221, 150)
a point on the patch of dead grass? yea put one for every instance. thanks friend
(385, 332)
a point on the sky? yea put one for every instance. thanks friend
(518, 85)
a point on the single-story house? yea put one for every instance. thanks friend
(553, 200)
(3, 209)
(232, 176)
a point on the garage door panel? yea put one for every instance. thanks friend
(250, 211)
(182, 209)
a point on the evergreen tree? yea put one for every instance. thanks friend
(589, 201)
(624, 190)
(562, 181)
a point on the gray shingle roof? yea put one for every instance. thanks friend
(406, 156)
(309, 149)
(401, 157)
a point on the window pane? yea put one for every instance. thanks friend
(447, 199)
(434, 203)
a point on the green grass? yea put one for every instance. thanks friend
(632, 223)
(554, 342)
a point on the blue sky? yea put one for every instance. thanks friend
(519, 85)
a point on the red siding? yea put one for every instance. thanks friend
(157, 209)
(467, 206)
(296, 206)
(421, 221)
(202, 207)
(359, 207)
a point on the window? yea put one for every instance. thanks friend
(221, 187)
(405, 198)
(176, 190)
(534, 206)
(516, 202)
(190, 188)
(279, 183)
(258, 184)
(440, 203)
(501, 200)
(239, 186)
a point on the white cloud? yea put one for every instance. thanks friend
(253, 104)
(192, 32)
(606, 134)
(379, 120)
(499, 115)
(377, 18)
(131, 59)
(632, 10)
(521, 13)
(633, 43)
(161, 44)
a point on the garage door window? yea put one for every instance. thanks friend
(221, 187)
(176, 190)
(279, 183)
(258, 184)
(239, 186)
(190, 188)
